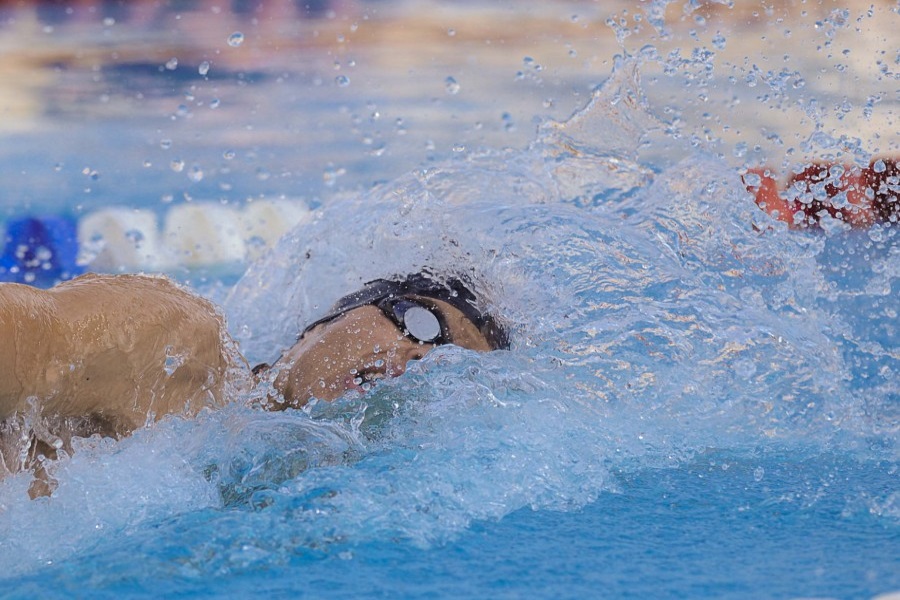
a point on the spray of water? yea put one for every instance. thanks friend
(655, 314)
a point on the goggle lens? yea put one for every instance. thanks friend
(418, 321)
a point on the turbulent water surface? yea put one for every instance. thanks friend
(698, 402)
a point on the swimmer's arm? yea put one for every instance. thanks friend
(27, 319)
(127, 349)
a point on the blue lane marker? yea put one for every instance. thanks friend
(40, 251)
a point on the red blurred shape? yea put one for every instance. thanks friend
(767, 196)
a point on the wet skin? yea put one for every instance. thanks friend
(358, 348)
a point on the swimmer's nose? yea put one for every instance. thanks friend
(404, 355)
(414, 352)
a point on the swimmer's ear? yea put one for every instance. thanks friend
(261, 368)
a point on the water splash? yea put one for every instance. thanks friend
(655, 314)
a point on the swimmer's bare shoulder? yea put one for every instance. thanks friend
(126, 349)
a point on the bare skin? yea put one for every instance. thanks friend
(359, 347)
(128, 349)
(109, 354)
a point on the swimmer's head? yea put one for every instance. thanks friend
(374, 332)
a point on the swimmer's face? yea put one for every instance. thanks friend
(360, 347)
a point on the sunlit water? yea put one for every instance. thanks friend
(697, 402)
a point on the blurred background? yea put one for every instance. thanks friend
(172, 134)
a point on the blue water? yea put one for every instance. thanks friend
(697, 403)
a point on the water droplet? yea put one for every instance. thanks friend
(196, 174)
(165, 144)
(203, 69)
(43, 254)
(719, 41)
(173, 361)
(758, 473)
(172, 64)
(451, 85)
(177, 165)
(214, 103)
(228, 154)
(135, 236)
(109, 22)
(331, 174)
(508, 123)
(235, 39)
(342, 80)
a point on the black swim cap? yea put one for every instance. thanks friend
(454, 292)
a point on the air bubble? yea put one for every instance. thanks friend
(235, 39)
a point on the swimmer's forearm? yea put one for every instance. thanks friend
(27, 317)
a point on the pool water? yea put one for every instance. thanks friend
(698, 402)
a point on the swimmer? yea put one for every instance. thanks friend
(858, 196)
(108, 354)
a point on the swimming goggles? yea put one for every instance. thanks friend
(418, 321)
